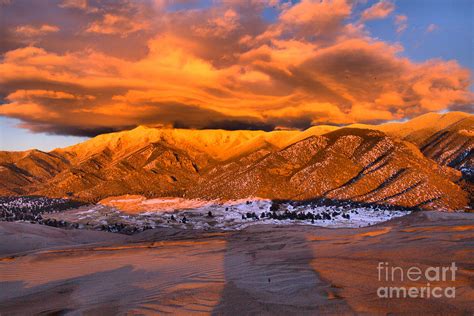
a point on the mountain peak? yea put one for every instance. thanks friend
(224, 144)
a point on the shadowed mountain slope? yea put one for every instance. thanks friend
(348, 164)
(446, 138)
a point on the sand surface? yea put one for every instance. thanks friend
(262, 269)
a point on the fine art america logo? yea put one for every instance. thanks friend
(416, 282)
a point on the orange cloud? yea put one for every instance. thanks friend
(310, 17)
(379, 10)
(115, 24)
(224, 67)
(219, 26)
(29, 30)
(32, 94)
(76, 4)
(401, 21)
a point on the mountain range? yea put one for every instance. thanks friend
(426, 162)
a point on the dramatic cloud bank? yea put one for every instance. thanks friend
(100, 66)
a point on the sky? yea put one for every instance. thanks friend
(73, 69)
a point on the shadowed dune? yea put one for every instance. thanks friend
(268, 271)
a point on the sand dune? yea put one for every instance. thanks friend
(262, 269)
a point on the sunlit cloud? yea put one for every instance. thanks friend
(30, 30)
(77, 4)
(225, 66)
(47, 94)
(401, 21)
(380, 10)
(115, 24)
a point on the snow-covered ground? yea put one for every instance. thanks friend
(130, 214)
(235, 215)
(197, 214)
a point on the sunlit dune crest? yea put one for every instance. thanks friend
(376, 232)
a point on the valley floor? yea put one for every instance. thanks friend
(134, 213)
(260, 269)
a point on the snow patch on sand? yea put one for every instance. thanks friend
(231, 215)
